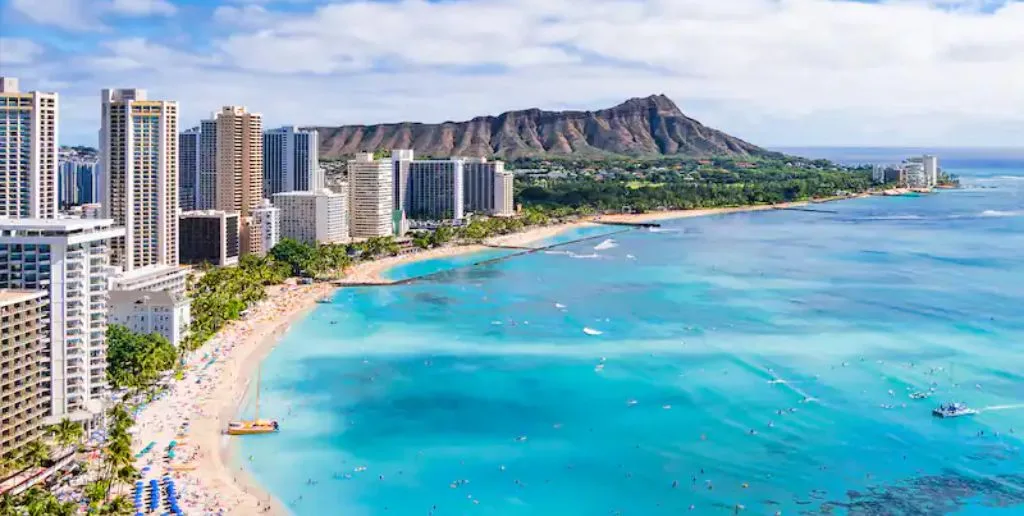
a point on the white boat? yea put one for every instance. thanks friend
(953, 410)
(591, 331)
(918, 395)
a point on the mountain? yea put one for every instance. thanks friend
(650, 126)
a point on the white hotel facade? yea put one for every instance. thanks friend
(69, 259)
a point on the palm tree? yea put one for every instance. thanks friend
(118, 506)
(66, 432)
(35, 453)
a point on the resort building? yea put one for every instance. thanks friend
(291, 161)
(240, 169)
(915, 175)
(78, 182)
(139, 160)
(209, 236)
(931, 169)
(267, 219)
(28, 152)
(69, 259)
(145, 312)
(434, 190)
(170, 278)
(314, 217)
(487, 187)
(24, 338)
(371, 196)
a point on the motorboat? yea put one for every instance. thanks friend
(953, 410)
(918, 395)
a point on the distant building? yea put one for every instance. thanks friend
(915, 175)
(139, 160)
(92, 211)
(291, 161)
(209, 236)
(435, 190)
(314, 217)
(931, 169)
(268, 219)
(371, 196)
(78, 182)
(878, 174)
(487, 187)
(147, 312)
(24, 375)
(28, 152)
(400, 160)
(206, 165)
(69, 259)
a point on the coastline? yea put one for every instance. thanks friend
(248, 342)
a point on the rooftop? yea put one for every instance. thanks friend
(153, 271)
(155, 298)
(207, 213)
(55, 224)
(10, 296)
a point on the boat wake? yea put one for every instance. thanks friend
(607, 244)
(1001, 213)
(1002, 407)
(590, 331)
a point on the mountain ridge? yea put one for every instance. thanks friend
(640, 126)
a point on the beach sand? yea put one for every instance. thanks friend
(219, 373)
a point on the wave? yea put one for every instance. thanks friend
(584, 256)
(662, 230)
(1001, 213)
(607, 244)
(895, 217)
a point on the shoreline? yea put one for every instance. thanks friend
(251, 341)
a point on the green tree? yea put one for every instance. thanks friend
(66, 433)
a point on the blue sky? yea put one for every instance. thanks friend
(775, 72)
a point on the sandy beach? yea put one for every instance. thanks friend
(195, 410)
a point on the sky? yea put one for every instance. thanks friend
(774, 72)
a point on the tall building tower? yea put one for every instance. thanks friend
(240, 168)
(400, 159)
(291, 160)
(931, 169)
(28, 152)
(78, 182)
(485, 187)
(371, 196)
(67, 258)
(206, 181)
(139, 159)
(188, 169)
(435, 190)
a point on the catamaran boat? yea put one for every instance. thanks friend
(953, 410)
(254, 425)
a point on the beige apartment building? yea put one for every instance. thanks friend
(139, 159)
(240, 169)
(28, 152)
(23, 367)
(371, 197)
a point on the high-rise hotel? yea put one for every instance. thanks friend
(291, 161)
(139, 159)
(28, 152)
(371, 197)
(240, 169)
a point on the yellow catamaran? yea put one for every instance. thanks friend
(254, 425)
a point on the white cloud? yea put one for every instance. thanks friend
(141, 7)
(18, 51)
(772, 71)
(72, 15)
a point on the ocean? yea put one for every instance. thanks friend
(757, 362)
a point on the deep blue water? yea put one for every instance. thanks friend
(430, 384)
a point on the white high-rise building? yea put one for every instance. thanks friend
(139, 159)
(291, 160)
(28, 152)
(504, 194)
(371, 196)
(931, 169)
(314, 217)
(69, 259)
(267, 220)
(400, 159)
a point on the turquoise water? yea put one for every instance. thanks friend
(760, 350)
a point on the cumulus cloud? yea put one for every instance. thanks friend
(772, 71)
(18, 51)
(141, 7)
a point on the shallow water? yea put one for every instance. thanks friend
(712, 326)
